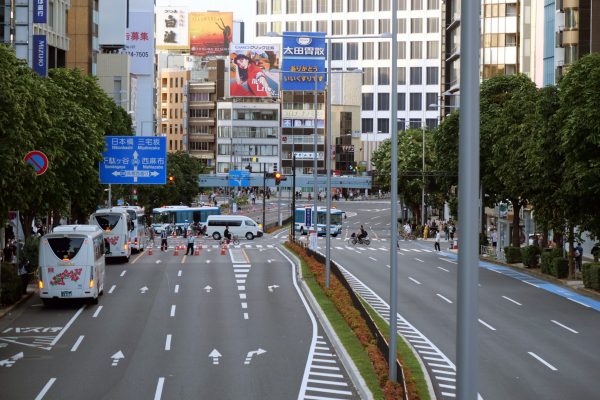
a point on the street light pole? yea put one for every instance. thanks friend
(315, 161)
(423, 169)
(327, 155)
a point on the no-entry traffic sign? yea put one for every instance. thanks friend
(37, 160)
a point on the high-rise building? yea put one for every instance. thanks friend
(83, 36)
(171, 89)
(419, 52)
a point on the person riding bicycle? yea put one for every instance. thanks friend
(227, 234)
(362, 234)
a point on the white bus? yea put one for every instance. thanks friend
(72, 263)
(303, 220)
(180, 217)
(137, 236)
(117, 225)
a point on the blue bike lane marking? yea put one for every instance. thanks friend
(549, 287)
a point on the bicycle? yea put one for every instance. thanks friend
(234, 240)
(353, 240)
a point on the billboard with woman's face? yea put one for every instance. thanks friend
(254, 70)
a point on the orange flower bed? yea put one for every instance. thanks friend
(343, 302)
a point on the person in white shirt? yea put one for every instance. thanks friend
(436, 245)
(190, 243)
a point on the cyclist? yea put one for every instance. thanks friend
(227, 234)
(362, 234)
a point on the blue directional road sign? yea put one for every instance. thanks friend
(134, 160)
(239, 178)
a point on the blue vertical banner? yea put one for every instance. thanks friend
(40, 11)
(308, 216)
(40, 55)
(304, 55)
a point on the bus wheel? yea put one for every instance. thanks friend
(216, 236)
(249, 236)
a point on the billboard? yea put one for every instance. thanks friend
(254, 70)
(172, 28)
(210, 33)
(40, 11)
(304, 55)
(40, 55)
(138, 42)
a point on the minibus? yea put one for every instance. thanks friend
(117, 225)
(239, 225)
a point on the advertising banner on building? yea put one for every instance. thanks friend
(172, 28)
(304, 55)
(254, 70)
(138, 42)
(40, 11)
(210, 33)
(40, 55)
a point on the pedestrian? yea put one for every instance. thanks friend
(24, 275)
(578, 256)
(452, 229)
(425, 232)
(446, 231)
(436, 245)
(190, 243)
(151, 235)
(253, 197)
(494, 238)
(163, 240)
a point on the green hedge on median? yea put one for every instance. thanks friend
(11, 284)
(512, 254)
(530, 255)
(560, 267)
(546, 259)
(591, 275)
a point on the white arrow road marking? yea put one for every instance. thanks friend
(215, 355)
(207, 288)
(143, 290)
(9, 362)
(47, 387)
(117, 357)
(252, 353)
(271, 287)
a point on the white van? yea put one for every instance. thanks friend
(117, 226)
(72, 263)
(239, 226)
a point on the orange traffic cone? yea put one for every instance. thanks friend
(197, 252)
(223, 250)
(176, 252)
(149, 251)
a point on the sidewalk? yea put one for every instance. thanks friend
(6, 309)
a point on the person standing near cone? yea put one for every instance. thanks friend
(190, 243)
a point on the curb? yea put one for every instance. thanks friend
(23, 298)
(353, 373)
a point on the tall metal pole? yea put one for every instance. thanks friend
(264, 199)
(393, 373)
(328, 171)
(423, 187)
(315, 186)
(468, 188)
(109, 195)
(293, 224)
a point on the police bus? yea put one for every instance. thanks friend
(304, 216)
(117, 226)
(180, 217)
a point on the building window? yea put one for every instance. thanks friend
(352, 5)
(337, 27)
(416, 5)
(352, 51)
(401, 5)
(321, 26)
(305, 26)
(367, 101)
(416, 50)
(401, 125)
(414, 123)
(383, 76)
(431, 102)
(383, 125)
(290, 26)
(261, 7)
(401, 101)
(401, 50)
(199, 129)
(432, 25)
(307, 6)
(511, 10)
(368, 5)
(276, 26)
(383, 101)
(368, 27)
(352, 27)
(384, 5)
(384, 25)
(367, 125)
(275, 6)
(368, 51)
(337, 51)
(322, 6)
(384, 50)
(432, 75)
(261, 28)
(432, 49)
(337, 6)
(367, 76)
(416, 76)
(511, 40)
(401, 75)
(199, 113)
(415, 101)
(431, 123)
(416, 25)
(291, 7)
(401, 25)
(433, 4)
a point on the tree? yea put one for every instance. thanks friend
(445, 158)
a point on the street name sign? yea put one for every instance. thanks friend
(134, 160)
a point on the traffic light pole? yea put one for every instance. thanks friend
(264, 200)
(293, 223)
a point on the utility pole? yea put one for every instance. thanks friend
(293, 224)
(264, 199)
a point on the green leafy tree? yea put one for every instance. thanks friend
(445, 159)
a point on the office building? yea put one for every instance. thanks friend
(83, 36)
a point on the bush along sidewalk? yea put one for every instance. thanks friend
(342, 301)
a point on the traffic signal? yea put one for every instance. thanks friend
(171, 179)
(277, 178)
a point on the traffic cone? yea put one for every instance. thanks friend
(223, 250)
(149, 251)
(197, 251)
(176, 252)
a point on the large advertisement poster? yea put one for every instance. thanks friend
(304, 55)
(138, 42)
(172, 28)
(254, 70)
(210, 33)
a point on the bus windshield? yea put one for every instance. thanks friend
(65, 248)
(107, 221)
(336, 219)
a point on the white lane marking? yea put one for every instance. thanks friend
(242, 296)
(383, 249)
(63, 330)
(437, 371)
(41, 395)
(447, 394)
(137, 258)
(315, 389)
(179, 273)
(529, 283)
(124, 272)
(419, 260)
(77, 343)
(374, 259)
(183, 259)
(97, 311)
(511, 300)
(244, 305)
(443, 269)
(176, 288)
(414, 280)
(208, 261)
(173, 310)
(580, 303)
(564, 326)
(443, 378)
(450, 261)
(112, 289)
(540, 359)
(486, 325)
(245, 315)
(159, 388)
(168, 343)
(387, 265)
(443, 298)
(333, 383)
(328, 375)
(241, 288)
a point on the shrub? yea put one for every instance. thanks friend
(11, 284)
(585, 273)
(546, 259)
(591, 275)
(530, 255)
(31, 250)
(560, 267)
(512, 254)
